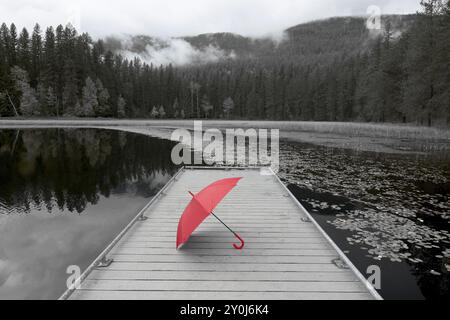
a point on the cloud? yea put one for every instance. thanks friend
(36, 248)
(177, 52)
(172, 18)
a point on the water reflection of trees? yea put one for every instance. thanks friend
(70, 168)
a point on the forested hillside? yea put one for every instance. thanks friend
(332, 70)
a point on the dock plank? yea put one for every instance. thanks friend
(227, 286)
(221, 276)
(228, 267)
(215, 295)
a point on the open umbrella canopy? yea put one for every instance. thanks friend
(201, 206)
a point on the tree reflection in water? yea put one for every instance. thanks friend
(69, 168)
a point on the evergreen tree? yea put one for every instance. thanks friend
(206, 106)
(12, 44)
(89, 100)
(5, 44)
(28, 100)
(228, 106)
(49, 67)
(41, 93)
(161, 112)
(103, 108)
(23, 50)
(421, 64)
(78, 110)
(154, 113)
(175, 108)
(36, 54)
(121, 112)
(51, 102)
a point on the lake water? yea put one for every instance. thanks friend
(387, 210)
(66, 193)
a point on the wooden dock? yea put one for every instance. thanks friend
(286, 256)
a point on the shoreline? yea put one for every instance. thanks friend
(370, 137)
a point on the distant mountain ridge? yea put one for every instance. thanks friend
(321, 37)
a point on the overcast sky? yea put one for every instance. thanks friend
(187, 17)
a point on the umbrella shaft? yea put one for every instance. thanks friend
(223, 223)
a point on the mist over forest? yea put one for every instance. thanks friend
(328, 70)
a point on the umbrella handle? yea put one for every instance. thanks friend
(236, 246)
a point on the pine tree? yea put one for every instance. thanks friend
(440, 103)
(36, 54)
(63, 72)
(6, 44)
(28, 100)
(70, 90)
(154, 113)
(41, 92)
(161, 112)
(446, 57)
(195, 88)
(12, 44)
(103, 108)
(422, 63)
(89, 101)
(23, 50)
(206, 106)
(228, 106)
(121, 113)
(51, 102)
(49, 68)
(3, 103)
(78, 110)
(175, 108)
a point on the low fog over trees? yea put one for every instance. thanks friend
(332, 70)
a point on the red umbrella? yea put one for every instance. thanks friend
(201, 206)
